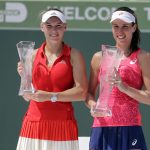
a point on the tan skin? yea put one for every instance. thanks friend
(122, 33)
(54, 31)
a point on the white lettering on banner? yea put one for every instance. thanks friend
(107, 13)
(77, 14)
(13, 13)
(148, 12)
(69, 11)
(1, 16)
(87, 13)
(20, 12)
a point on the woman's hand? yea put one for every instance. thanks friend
(20, 68)
(92, 110)
(25, 99)
(103, 112)
(38, 96)
(96, 113)
(115, 80)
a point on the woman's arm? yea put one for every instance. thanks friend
(93, 82)
(143, 95)
(77, 93)
(20, 65)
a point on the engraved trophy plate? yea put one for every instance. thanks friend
(111, 58)
(25, 50)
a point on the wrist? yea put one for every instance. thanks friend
(124, 88)
(54, 97)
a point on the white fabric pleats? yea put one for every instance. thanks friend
(36, 144)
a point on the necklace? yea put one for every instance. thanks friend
(50, 60)
(51, 57)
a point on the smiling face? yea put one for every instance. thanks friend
(122, 33)
(53, 30)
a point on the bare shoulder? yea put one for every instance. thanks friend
(144, 58)
(97, 56)
(75, 52)
(96, 59)
(76, 55)
(34, 54)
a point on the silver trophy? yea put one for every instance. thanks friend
(25, 50)
(111, 58)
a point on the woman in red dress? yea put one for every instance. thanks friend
(59, 77)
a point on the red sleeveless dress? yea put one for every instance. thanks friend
(48, 125)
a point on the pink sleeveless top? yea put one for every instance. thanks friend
(125, 110)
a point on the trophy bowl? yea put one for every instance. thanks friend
(25, 51)
(111, 58)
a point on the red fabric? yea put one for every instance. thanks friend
(55, 79)
(44, 119)
(55, 130)
(125, 111)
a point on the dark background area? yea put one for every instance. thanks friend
(13, 107)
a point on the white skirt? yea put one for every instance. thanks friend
(36, 144)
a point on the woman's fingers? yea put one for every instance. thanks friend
(19, 68)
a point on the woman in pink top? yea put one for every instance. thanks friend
(59, 77)
(122, 130)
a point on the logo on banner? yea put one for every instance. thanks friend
(13, 13)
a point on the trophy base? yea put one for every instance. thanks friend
(29, 91)
(103, 112)
(22, 92)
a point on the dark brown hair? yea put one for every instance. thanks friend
(135, 42)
